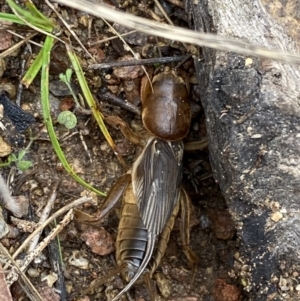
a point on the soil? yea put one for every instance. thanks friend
(212, 233)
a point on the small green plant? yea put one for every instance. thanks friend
(68, 119)
(66, 78)
(21, 164)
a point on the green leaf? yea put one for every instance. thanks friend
(12, 158)
(69, 75)
(35, 12)
(11, 18)
(36, 20)
(68, 119)
(21, 154)
(33, 70)
(63, 77)
(24, 165)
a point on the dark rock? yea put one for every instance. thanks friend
(252, 113)
(21, 119)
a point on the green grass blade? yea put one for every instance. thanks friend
(47, 118)
(41, 23)
(33, 70)
(91, 102)
(11, 18)
(35, 12)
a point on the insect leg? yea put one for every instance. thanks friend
(125, 129)
(110, 201)
(99, 281)
(150, 286)
(185, 208)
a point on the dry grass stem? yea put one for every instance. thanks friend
(16, 46)
(43, 218)
(25, 38)
(49, 220)
(43, 244)
(159, 6)
(111, 38)
(30, 290)
(69, 29)
(179, 34)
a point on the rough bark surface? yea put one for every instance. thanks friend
(253, 111)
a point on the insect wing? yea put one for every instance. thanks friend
(156, 179)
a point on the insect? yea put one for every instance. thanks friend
(151, 190)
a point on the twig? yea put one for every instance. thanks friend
(176, 3)
(157, 3)
(145, 9)
(24, 225)
(183, 61)
(43, 218)
(16, 46)
(111, 38)
(41, 246)
(84, 145)
(49, 220)
(158, 60)
(30, 290)
(112, 98)
(25, 38)
(167, 18)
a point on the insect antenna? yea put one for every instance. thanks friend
(99, 281)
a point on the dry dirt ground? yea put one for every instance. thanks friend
(212, 235)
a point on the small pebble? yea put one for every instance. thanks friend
(33, 272)
(78, 261)
(276, 216)
(99, 240)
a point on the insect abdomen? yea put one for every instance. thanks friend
(131, 241)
